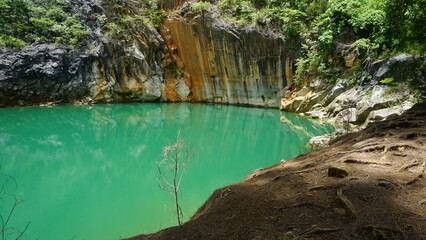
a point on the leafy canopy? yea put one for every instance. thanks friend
(24, 22)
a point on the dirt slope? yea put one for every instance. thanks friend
(383, 195)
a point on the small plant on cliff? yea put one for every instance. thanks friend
(200, 7)
(171, 169)
(153, 11)
(388, 81)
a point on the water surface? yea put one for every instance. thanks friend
(89, 172)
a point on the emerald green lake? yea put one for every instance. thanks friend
(89, 172)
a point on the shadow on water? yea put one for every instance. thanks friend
(90, 170)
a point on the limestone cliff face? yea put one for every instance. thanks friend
(129, 66)
(195, 58)
(369, 100)
(126, 68)
(224, 64)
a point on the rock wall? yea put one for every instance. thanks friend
(129, 66)
(367, 101)
(195, 58)
(103, 69)
(224, 64)
(45, 73)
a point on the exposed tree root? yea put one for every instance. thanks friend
(356, 161)
(350, 208)
(319, 230)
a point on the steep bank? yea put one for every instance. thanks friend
(367, 185)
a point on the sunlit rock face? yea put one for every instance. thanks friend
(224, 64)
(128, 66)
(368, 101)
(193, 57)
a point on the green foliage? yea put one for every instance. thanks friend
(8, 41)
(405, 24)
(365, 29)
(126, 16)
(242, 10)
(153, 11)
(115, 30)
(24, 22)
(373, 28)
(200, 6)
(362, 17)
(388, 81)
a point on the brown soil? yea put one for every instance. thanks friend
(376, 190)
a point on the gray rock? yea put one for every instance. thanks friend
(346, 116)
(182, 89)
(333, 91)
(319, 142)
(338, 171)
(302, 92)
(326, 139)
(44, 73)
(397, 67)
(102, 69)
(383, 114)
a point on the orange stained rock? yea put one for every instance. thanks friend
(170, 90)
(222, 66)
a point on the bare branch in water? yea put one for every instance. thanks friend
(171, 169)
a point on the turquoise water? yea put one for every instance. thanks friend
(89, 172)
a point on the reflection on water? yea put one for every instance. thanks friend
(88, 172)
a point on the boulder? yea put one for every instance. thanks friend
(338, 171)
(302, 92)
(326, 139)
(383, 114)
(319, 141)
(346, 116)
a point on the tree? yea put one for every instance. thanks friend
(171, 169)
(405, 23)
(5, 229)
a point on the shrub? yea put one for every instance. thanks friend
(199, 7)
(28, 21)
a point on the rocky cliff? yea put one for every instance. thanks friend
(196, 58)
(225, 64)
(104, 69)
(385, 89)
